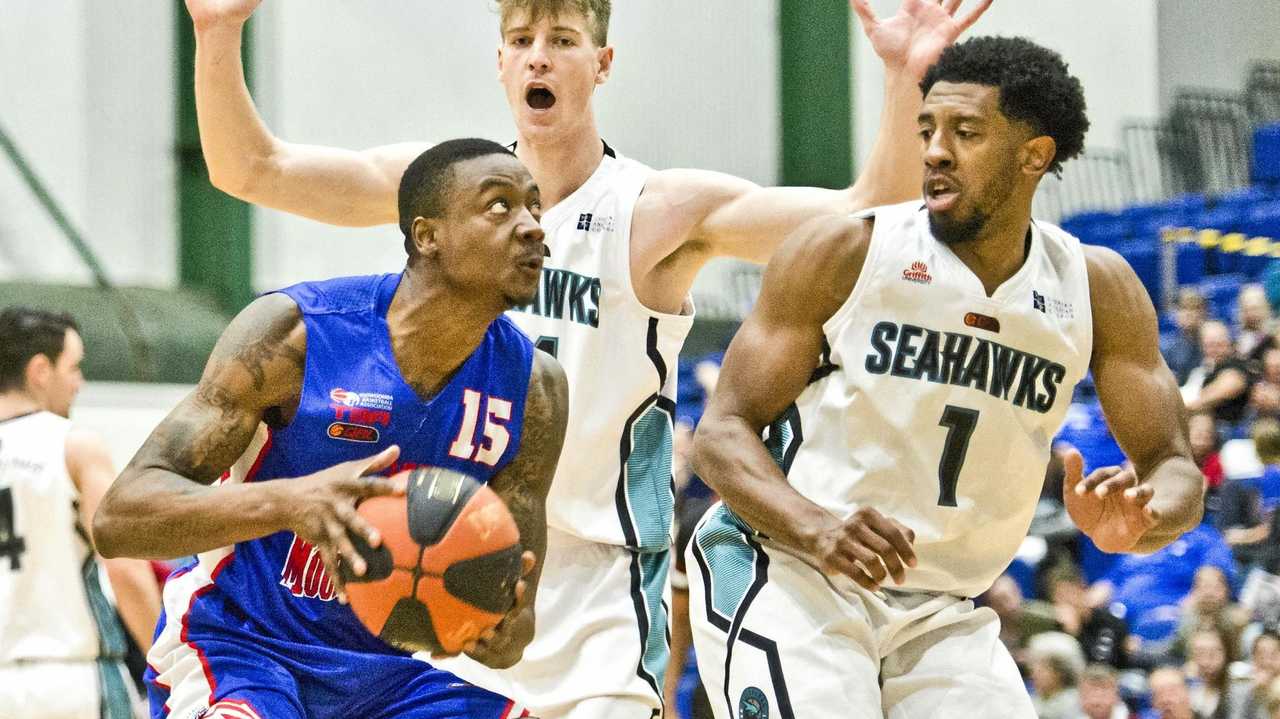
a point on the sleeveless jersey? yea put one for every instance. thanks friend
(613, 483)
(52, 603)
(354, 403)
(936, 404)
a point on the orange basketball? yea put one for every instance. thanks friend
(447, 567)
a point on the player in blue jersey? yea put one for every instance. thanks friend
(316, 388)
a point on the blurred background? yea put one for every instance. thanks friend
(106, 212)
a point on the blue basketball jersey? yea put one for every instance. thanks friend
(354, 402)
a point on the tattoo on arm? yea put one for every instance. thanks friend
(254, 373)
(524, 484)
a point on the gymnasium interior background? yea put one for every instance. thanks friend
(106, 210)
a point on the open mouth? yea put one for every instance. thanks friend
(540, 98)
(940, 194)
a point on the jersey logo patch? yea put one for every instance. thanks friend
(349, 432)
(918, 272)
(753, 704)
(588, 222)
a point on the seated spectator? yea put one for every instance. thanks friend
(1056, 662)
(1170, 697)
(1210, 655)
(1101, 634)
(1183, 354)
(1264, 398)
(1019, 621)
(1241, 513)
(1100, 694)
(1209, 607)
(1221, 383)
(1153, 586)
(1255, 326)
(1249, 699)
(1205, 444)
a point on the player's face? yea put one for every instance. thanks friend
(549, 68)
(971, 158)
(494, 240)
(64, 379)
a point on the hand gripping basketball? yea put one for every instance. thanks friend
(449, 569)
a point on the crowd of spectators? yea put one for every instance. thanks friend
(1191, 631)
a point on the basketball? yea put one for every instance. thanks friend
(447, 568)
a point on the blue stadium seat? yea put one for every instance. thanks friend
(1191, 263)
(1263, 220)
(1266, 154)
(1099, 228)
(1220, 292)
(1144, 256)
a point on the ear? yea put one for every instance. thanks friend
(426, 233)
(501, 60)
(39, 368)
(1037, 154)
(604, 64)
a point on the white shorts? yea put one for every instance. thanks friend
(777, 638)
(600, 644)
(66, 690)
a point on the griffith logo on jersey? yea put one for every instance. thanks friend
(918, 272)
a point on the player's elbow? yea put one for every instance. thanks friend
(107, 533)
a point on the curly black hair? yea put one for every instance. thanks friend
(1035, 87)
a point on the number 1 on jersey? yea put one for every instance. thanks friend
(960, 423)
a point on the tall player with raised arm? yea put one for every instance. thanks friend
(911, 365)
(625, 244)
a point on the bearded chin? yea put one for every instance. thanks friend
(955, 232)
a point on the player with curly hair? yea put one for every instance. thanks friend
(908, 367)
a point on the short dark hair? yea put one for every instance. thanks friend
(427, 182)
(1034, 83)
(24, 333)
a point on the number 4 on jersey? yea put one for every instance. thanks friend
(496, 436)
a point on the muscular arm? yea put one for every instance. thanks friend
(523, 485)
(340, 187)
(767, 366)
(1140, 397)
(132, 581)
(162, 506)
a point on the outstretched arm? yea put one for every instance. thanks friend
(738, 218)
(767, 366)
(1143, 508)
(523, 485)
(341, 187)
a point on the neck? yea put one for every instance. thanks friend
(1000, 249)
(562, 164)
(13, 404)
(433, 329)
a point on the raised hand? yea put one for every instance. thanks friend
(321, 509)
(205, 13)
(915, 37)
(867, 547)
(1109, 505)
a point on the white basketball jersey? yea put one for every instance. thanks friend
(50, 592)
(936, 404)
(613, 483)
